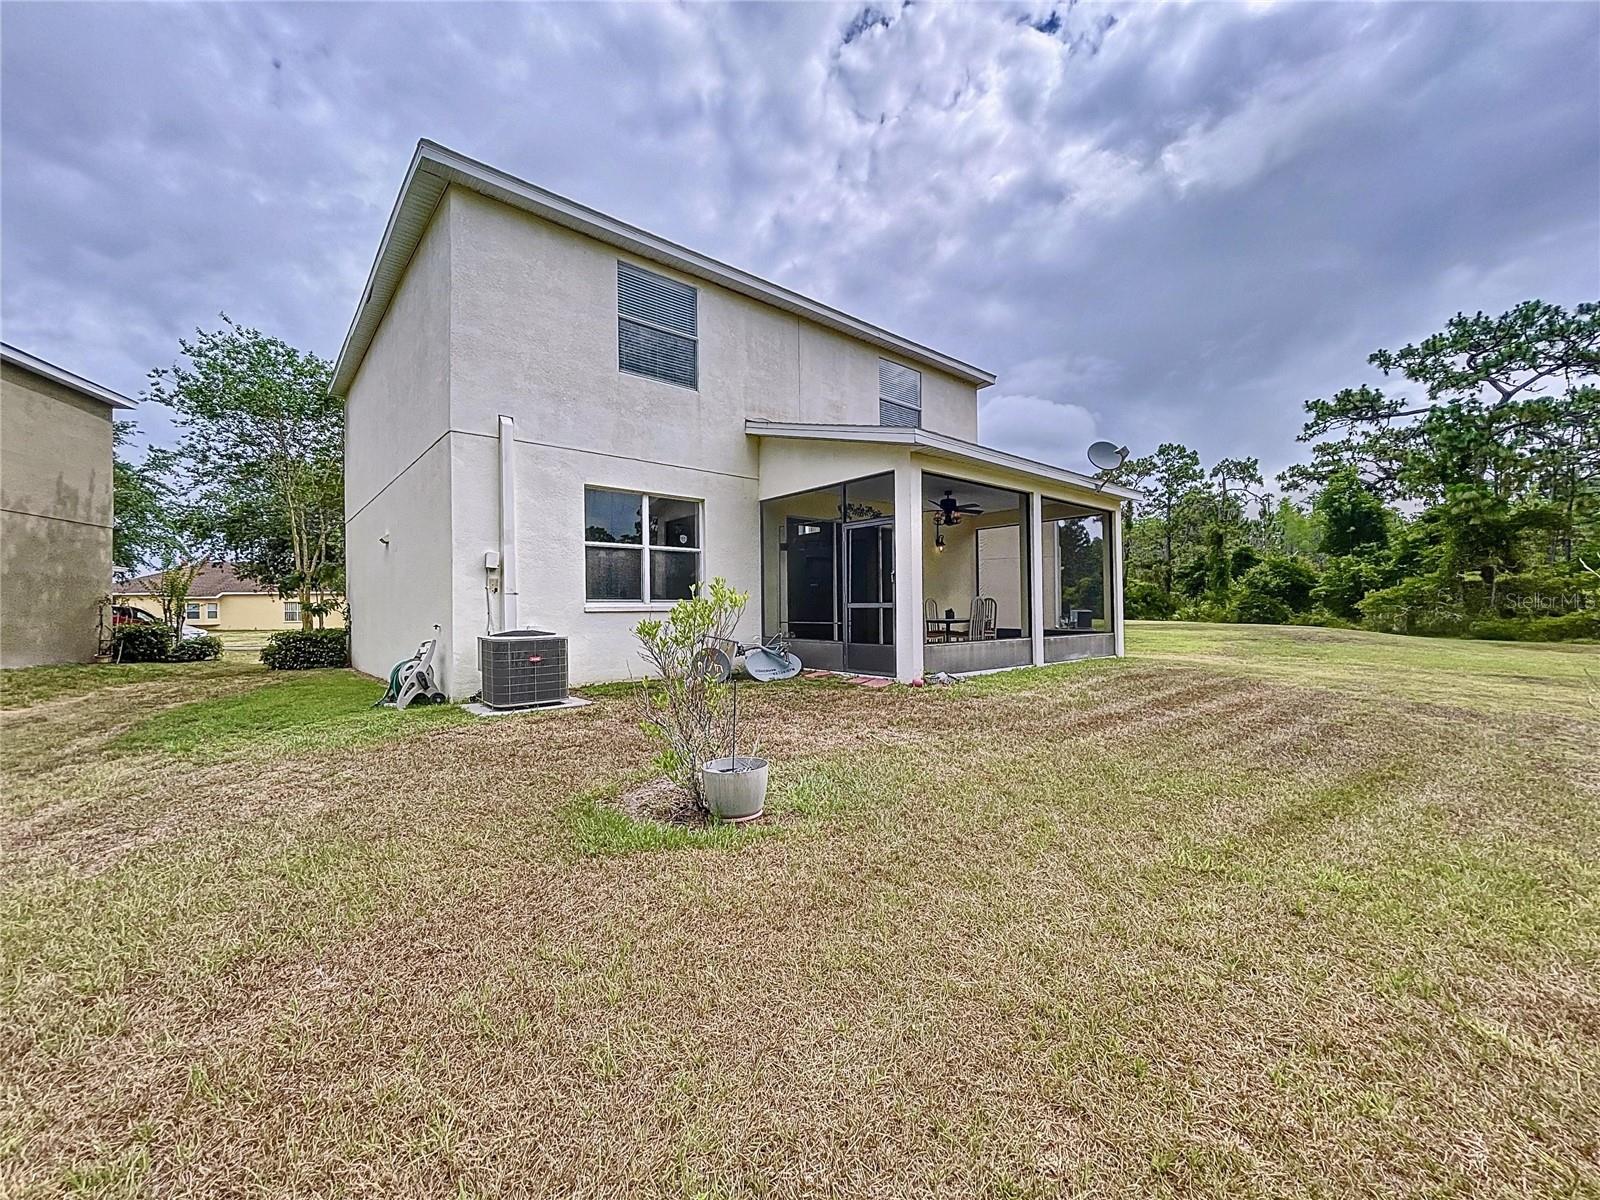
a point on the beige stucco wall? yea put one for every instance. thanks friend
(397, 467)
(55, 519)
(502, 313)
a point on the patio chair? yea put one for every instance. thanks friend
(985, 614)
(984, 629)
(930, 614)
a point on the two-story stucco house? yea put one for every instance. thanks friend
(55, 509)
(559, 421)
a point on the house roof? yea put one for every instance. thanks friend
(212, 580)
(434, 168)
(48, 370)
(938, 445)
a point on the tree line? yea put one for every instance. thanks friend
(255, 479)
(1457, 491)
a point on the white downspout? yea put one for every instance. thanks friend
(510, 614)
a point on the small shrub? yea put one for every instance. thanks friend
(141, 643)
(299, 650)
(200, 649)
(683, 709)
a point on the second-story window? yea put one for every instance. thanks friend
(657, 326)
(899, 395)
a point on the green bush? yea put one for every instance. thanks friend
(1537, 629)
(1147, 602)
(1421, 605)
(1289, 581)
(1322, 619)
(1346, 581)
(1205, 610)
(1258, 608)
(141, 643)
(299, 650)
(199, 649)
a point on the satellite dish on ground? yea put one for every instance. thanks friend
(1107, 456)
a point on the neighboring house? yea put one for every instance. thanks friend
(559, 421)
(220, 599)
(55, 510)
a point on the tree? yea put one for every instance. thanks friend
(1169, 478)
(176, 538)
(261, 441)
(1500, 397)
(136, 529)
(1352, 517)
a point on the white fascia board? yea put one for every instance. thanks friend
(84, 387)
(942, 445)
(434, 167)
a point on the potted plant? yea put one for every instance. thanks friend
(734, 787)
(691, 705)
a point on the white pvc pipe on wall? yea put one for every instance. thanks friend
(510, 609)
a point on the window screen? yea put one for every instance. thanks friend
(899, 395)
(657, 326)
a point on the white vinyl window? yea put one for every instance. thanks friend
(899, 395)
(212, 612)
(638, 548)
(658, 326)
(191, 611)
(291, 611)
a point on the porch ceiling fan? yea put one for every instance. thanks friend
(950, 512)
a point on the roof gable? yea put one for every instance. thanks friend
(435, 168)
(48, 370)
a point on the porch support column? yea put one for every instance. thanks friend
(1036, 575)
(1116, 575)
(907, 571)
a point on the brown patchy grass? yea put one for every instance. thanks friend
(1161, 926)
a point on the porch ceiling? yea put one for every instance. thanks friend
(947, 449)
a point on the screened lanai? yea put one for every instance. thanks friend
(907, 554)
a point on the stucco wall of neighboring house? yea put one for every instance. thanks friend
(397, 466)
(235, 610)
(55, 519)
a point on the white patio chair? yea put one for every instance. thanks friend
(985, 619)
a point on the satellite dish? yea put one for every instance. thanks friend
(1107, 456)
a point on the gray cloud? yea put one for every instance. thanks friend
(1153, 222)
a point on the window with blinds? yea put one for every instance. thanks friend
(899, 395)
(657, 326)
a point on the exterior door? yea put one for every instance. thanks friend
(869, 597)
(813, 579)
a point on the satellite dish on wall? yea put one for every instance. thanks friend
(1107, 456)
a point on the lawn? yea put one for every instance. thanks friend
(1253, 912)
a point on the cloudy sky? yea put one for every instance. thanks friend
(1152, 223)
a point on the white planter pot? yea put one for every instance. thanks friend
(735, 788)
